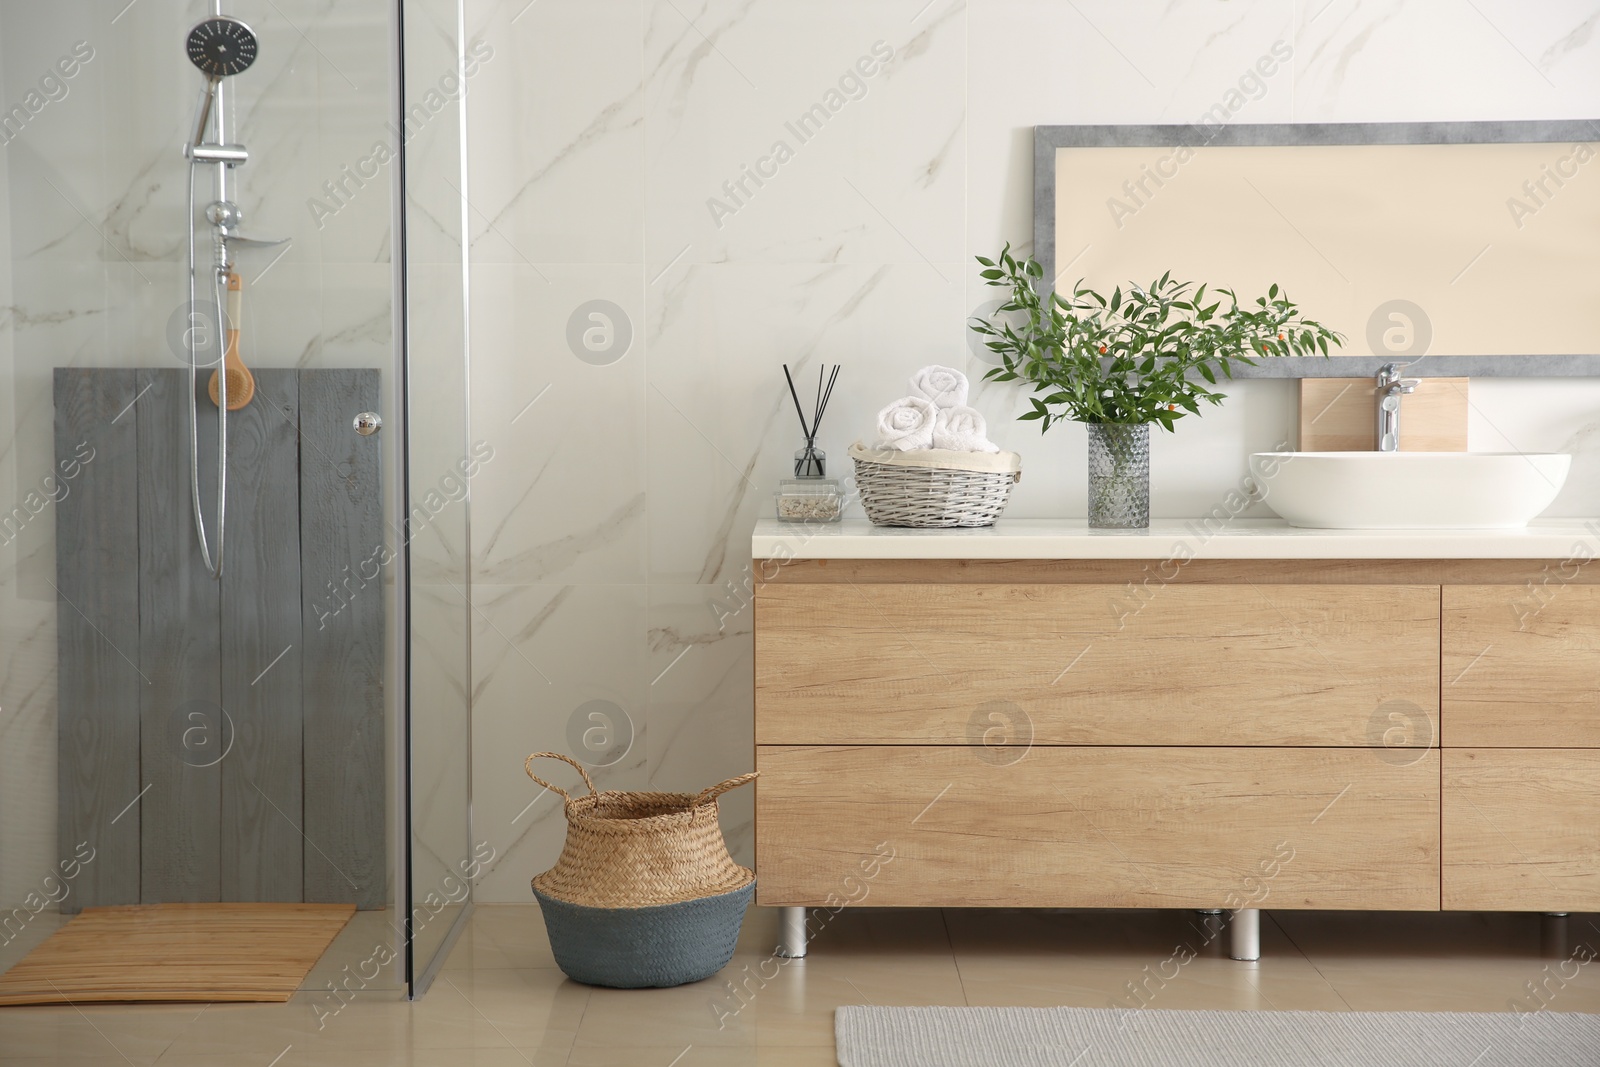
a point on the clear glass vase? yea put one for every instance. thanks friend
(1119, 476)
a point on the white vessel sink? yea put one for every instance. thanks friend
(1409, 490)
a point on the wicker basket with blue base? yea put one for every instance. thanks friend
(645, 893)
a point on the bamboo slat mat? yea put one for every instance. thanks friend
(177, 952)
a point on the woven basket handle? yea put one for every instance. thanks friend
(722, 787)
(556, 788)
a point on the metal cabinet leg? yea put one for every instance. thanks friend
(792, 933)
(1244, 934)
(1213, 921)
(1553, 935)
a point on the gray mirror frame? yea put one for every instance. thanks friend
(1046, 139)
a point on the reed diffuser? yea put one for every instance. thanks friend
(810, 462)
(811, 496)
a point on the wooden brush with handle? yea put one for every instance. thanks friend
(241, 383)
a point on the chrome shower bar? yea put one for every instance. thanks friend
(220, 47)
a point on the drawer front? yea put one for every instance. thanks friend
(1097, 828)
(1097, 664)
(1521, 830)
(1519, 669)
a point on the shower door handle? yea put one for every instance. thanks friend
(368, 423)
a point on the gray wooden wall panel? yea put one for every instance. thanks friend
(97, 576)
(261, 647)
(341, 551)
(182, 729)
(251, 785)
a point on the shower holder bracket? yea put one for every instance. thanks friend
(234, 155)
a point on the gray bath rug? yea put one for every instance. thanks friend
(1102, 1037)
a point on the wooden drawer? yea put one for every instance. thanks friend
(1520, 671)
(1521, 830)
(1097, 828)
(961, 664)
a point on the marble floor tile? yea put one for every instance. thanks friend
(1420, 935)
(503, 936)
(452, 1057)
(1388, 984)
(759, 1004)
(501, 1002)
(702, 1056)
(61, 1033)
(1009, 934)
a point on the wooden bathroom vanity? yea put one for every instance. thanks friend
(1202, 715)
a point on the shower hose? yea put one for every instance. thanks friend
(219, 268)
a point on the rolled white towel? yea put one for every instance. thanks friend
(907, 424)
(945, 386)
(962, 429)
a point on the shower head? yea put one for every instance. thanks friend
(221, 46)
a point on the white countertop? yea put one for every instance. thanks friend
(1166, 538)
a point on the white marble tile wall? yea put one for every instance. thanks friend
(91, 268)
(599, 131)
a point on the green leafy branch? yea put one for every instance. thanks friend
(1145, 354)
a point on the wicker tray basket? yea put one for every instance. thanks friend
(934, 487)
(645, 892)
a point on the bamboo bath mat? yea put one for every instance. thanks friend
(177, 952)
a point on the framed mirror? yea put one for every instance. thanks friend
(1468, 249)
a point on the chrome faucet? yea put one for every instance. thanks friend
(1391, 386)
